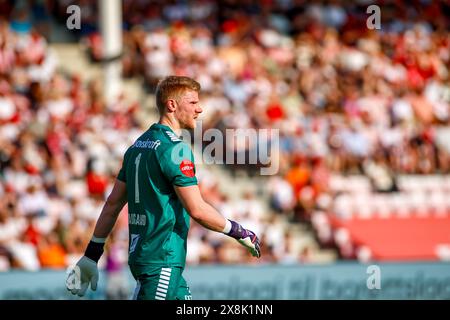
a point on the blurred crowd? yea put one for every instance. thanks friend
(60, 149)
(344, 98)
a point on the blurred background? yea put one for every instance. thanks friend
(364, 158)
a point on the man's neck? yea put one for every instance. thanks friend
(174, 125)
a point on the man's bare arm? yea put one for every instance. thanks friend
(110, 212)
(87, 265)
(199, 210)
(211, 219)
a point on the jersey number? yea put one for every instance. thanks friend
(136, 182)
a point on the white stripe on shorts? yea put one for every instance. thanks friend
(161, 290)
(163, 284)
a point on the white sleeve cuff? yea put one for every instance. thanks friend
(227, 228)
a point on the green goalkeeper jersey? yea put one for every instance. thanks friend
(158, 222)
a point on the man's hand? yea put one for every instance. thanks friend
(245, 237)
(87, 271)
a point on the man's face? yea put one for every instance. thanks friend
(188, 109)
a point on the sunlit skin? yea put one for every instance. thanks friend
(182, 112)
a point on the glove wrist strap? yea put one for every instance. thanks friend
(237, 231)
(94, 250)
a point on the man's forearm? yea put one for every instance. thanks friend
(105, 223)
(107, 219)
(209, 217)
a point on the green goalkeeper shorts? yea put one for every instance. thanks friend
(161, 283)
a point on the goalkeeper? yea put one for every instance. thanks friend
(158, 181)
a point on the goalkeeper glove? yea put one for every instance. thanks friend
(245, 237)
(86, 270)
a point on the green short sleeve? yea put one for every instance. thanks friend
(122, 176)
(177, 165)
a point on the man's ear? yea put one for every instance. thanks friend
(171, 105)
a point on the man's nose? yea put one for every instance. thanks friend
(199, 109)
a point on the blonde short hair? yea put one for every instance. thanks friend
(172, 87)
